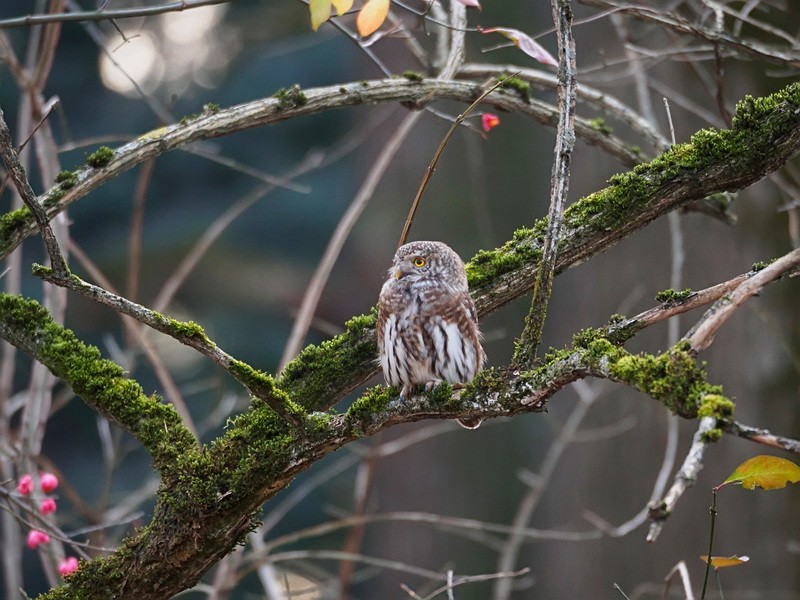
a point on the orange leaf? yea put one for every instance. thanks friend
(766, 472)
(372, 16)
(342, 6)
(320, 12)
(719, 562)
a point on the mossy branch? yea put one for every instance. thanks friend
(100, 382)
(765, 134)
(212, 495)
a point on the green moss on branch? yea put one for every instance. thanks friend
(99, 381)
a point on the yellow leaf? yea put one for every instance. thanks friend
(342, 6)
(372, 16)
(320, 12)
(766, 472)
(719, 562)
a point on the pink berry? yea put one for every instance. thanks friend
(48, 482)
(25, 485)
(47, 506)
(68, 566)
(36, 537)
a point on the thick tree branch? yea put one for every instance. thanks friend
(101, 383)
(210, 496)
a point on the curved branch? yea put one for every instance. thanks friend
(285, 104)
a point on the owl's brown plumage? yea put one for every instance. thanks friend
(427, 324)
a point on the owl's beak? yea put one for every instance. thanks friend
(398, 274)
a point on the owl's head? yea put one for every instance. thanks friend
(428, 261)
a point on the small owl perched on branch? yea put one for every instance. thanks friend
(427, 324)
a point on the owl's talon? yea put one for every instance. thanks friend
(432, 384)
(404, 392)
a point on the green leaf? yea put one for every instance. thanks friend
(766, 472)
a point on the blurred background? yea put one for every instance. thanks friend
(246, 288)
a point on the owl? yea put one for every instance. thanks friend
(427, 324)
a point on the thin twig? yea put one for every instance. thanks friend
(305, 313)
(681, 570)
(18, 176)
(135, 336)
(527, 505)
(106, 15)
(702, 335)
(435, 160)
(772, 54)
(684, 479)
(762, 436)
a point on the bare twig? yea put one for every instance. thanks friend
(762, 436)
(684, 479)
(444, 521)
(435, 160)
(135, 334)
(453, 582)
(630, 326)
(681, 570)
(592, 96)
(508, 557)
(788, 57)
(106, 15)
(702, 335)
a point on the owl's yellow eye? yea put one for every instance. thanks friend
(419, 262)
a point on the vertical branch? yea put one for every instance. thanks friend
(531, 335)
